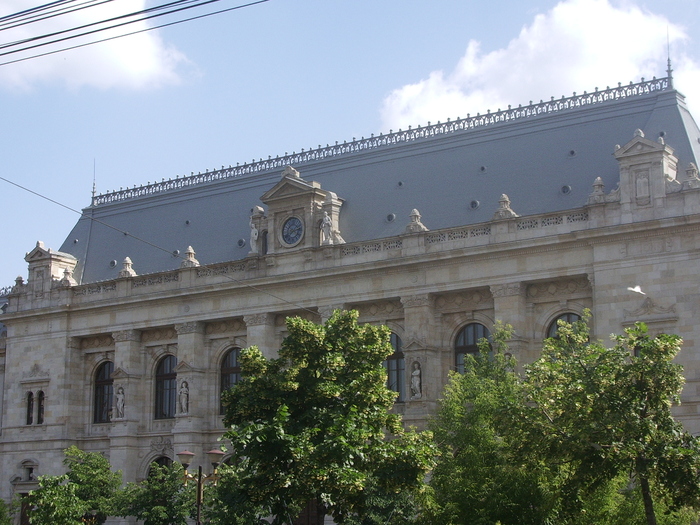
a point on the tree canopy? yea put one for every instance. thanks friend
(585, 435)
(315, 424)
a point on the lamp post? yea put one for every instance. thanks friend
(185, 457)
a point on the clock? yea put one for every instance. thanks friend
(292, 230)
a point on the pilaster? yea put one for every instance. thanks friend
(261, 333)
(510, 307)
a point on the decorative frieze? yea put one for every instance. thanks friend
(505, 290)
(97, 341)
(122, 336)
(565, 287)
(224, 327)
(257, 319)
(413, 301)
(189, 328)
(160, 334)
(462, 300)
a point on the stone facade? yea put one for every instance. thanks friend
(425, 283)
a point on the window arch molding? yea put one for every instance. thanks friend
(154, 457)
(460, 321)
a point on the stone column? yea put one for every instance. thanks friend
(424, 381)
(510, 307)
(129, 403)
(261, 333)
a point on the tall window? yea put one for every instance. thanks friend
(30, 408)
(396, 368)
(104, 392)
(40, 407)
(568, 317)
(230, 372)
(467, 342)
(166, 387)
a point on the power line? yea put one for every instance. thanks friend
(201, 3)
(151, 244)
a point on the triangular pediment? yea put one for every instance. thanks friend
(640, 145)
(41, 253)
(183, 367)
(289, 187)
(120, 373)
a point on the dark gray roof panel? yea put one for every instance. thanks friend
(528, 159)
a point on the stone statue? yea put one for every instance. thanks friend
(416, 386)
(120, 402)
(253, 237)
(184, 398)
(326, 227)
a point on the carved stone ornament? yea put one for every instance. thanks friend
(189, 261)
(505, 290)
(35, 372)
(415, 300)
(126, 335)
(504, 210)
(256, 319)
(127, 270)
(650, 310)
(183, 398)
(161, 445)
(415, 225)
(188, 328)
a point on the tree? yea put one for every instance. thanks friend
(161, 499)
(314, 425)
(95, 482)
(56, 502)
(84, 495)
(585, 436)
(607, 411)
(479, 477)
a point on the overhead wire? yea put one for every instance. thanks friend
(143, 18)
(153, 245)
(41, 13)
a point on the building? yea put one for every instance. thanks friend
(122, 340)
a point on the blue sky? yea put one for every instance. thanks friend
(292, 74)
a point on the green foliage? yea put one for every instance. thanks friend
(160, 499)
(314, 424)
(55, 502)
(84, 495)
(586, 436)
(5, 514)
(95, 482)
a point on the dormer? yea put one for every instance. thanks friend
(300, 214)
(47, 266)
(647, 173)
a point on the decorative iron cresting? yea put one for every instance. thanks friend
(620, 92)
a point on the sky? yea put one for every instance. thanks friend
(283, 75)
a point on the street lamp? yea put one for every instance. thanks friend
(185, 457)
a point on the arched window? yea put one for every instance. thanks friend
(166, 387)
(30, 408)
(230, 372)
(568, 317)
(40, 407)
(161, 461)
(467, 342)
(396, 368)
(104, 392)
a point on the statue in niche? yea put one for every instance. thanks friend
(416, 386)
(326, 229)
(253, 237)
(184, 398)
(120, 400)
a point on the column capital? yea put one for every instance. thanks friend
(189, 328)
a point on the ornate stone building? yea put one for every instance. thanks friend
(122, 340)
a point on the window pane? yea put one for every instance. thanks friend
(568, 317)
(467, 342)
(396, 368)
(230, 373)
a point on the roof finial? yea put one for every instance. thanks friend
(669, 70)
(94, 184)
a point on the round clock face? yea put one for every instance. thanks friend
(292, 230)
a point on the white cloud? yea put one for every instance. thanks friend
(133, 62)
(578, 45)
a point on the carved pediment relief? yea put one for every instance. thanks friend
(639, 145)
(650, 312)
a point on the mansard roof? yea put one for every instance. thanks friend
(453, 172)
